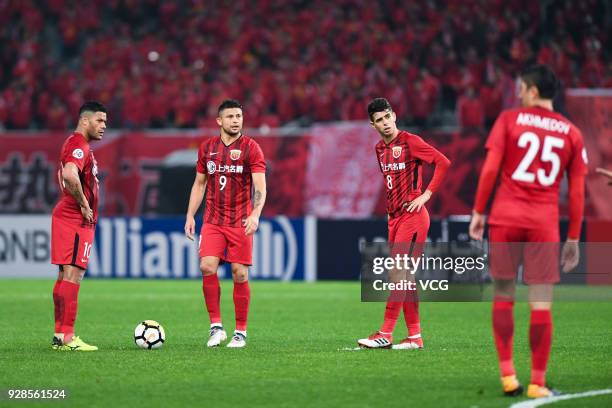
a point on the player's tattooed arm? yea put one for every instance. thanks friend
(72, 183)
(251, 223)
(259, 197)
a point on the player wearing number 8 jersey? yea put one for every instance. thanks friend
(532, 147)
(73, 222)
(228, 168)
(400, 156)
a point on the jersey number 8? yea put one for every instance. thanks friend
(532, 142)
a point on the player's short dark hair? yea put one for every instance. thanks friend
(228, 104)
(91, 106)
(378, 105)
(543, 78)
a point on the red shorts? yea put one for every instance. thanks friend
(70, 244)
(408, 232)
(230, 244)
(536, 249)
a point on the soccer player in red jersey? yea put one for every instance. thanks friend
(533, 146)
(73, 223)
(401, 155)
(228, 167)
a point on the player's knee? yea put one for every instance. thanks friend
(240, 274)
(540, 305)
(73, 274)
(208, 268)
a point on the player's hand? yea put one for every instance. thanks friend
(419, 202)
(605, 173)
(190, 227)
(87, 213)
(477, 225)
(570, 255)
(251, 224)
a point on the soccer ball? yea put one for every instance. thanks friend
(149, 335)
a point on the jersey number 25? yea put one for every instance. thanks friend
(532, 142)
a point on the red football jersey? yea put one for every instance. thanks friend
(228, 171)
(401, 165)
(538, 147)
(76, 150)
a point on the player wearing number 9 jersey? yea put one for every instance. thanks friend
(229, 167)
(533, 147)
(400, 156)
(73, 223)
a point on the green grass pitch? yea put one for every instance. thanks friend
(295, 356)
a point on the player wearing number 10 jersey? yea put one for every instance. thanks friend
(73, 223)
(533, 147)
(227, 167)
(400, 156)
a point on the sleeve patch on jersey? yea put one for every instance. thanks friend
(584, 156)
(77, 153)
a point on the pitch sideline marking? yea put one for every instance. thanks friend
(551, 400)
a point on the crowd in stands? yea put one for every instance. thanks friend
(169, 63)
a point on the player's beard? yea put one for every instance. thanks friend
(93, 134)
(232, 133)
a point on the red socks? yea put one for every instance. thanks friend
(503, 331)
(242, 297)
(212, 297)
(58, 307)
(411, 315)
(409, 301)
(69, 296)
(392, 312)
(540, 340)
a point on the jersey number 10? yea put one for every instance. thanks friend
(532, 142)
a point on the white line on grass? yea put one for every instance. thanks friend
(551, 400)
(351, 349)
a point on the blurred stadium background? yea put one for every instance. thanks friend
(304, 71)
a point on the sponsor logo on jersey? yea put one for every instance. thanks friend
(213, 153)
(235, 154)
(77, 153)
(397, 152)
(392, 166)
(211, 167)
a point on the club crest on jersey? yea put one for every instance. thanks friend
(77, 153)
(397, 152)
(235, 154)
(211, 167)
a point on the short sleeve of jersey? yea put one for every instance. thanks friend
(76, 151)
(256, 159)
(579, 160)
(497, 136)
(200, 165)
(420, 149)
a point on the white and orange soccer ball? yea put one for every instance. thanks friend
(149, 335)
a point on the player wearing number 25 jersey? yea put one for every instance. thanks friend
(533, 147)
(73, 222)
(400, 156)
(229, 167)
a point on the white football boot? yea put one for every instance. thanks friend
(216, 336)
(238, 340)
(376, 340)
